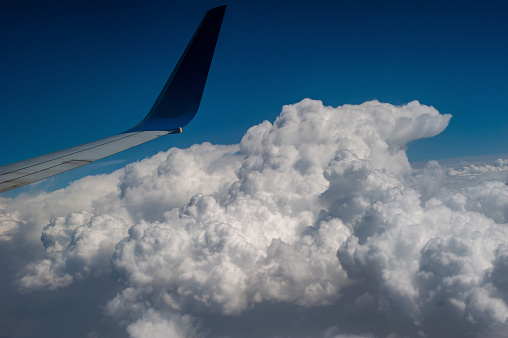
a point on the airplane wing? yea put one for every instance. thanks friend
(175, 107)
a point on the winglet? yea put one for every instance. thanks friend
(179, 100)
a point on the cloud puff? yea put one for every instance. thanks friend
(75, 246)
(82, 242)
(153, 324)
(320, 209)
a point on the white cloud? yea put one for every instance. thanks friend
(319, 209)
(75, 246)
(153, 324)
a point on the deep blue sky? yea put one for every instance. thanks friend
(76, 71)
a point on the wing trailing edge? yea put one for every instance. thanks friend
(175, 107)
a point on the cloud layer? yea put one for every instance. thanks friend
(319, 210)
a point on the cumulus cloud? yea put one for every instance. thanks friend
(153, 324)
(320, 209)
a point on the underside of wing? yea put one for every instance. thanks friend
(175, 107)
(35, 169)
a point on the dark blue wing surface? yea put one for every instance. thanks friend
(179, 100)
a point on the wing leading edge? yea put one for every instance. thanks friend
(175, 107)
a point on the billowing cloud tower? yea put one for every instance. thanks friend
(319, 212)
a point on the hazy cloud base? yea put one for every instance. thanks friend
(317, 213)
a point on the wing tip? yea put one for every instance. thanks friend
(218, 9)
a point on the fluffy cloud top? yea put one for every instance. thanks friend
(320, 209)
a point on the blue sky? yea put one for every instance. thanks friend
(313, 236)
(78, 71)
